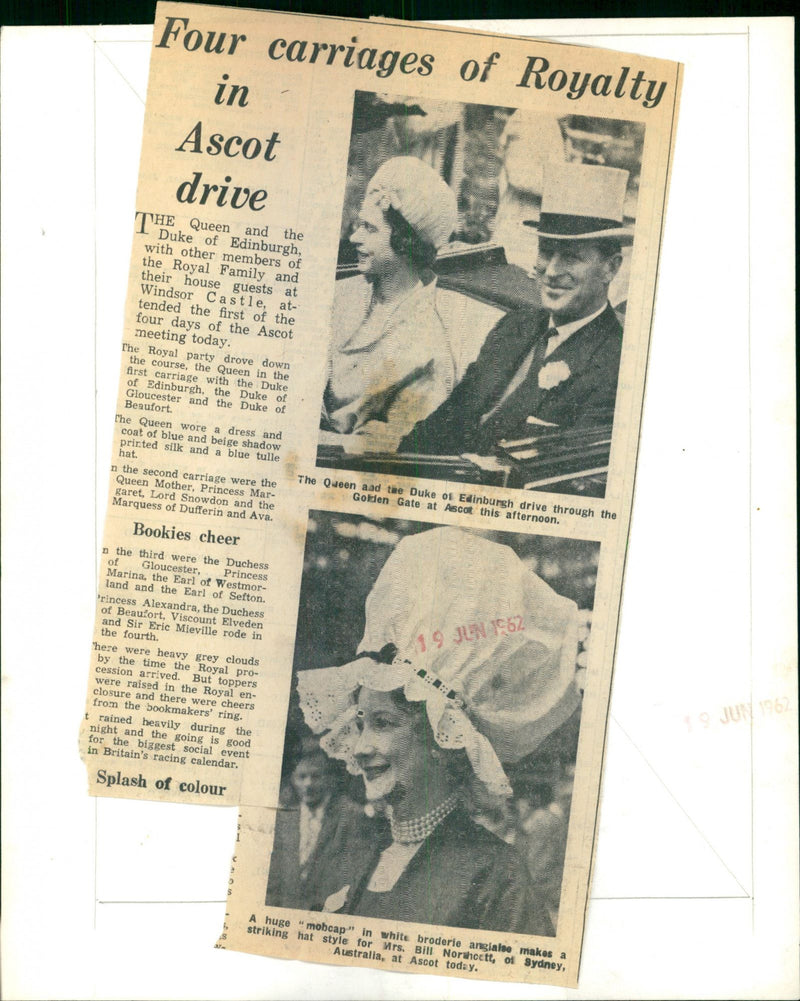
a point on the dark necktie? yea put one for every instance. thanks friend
(517, 407)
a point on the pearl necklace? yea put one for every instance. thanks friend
(411, 832)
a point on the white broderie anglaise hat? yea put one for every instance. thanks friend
(486, 644)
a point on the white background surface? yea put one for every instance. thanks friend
(695, 888)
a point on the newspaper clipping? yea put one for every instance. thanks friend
(385, 343)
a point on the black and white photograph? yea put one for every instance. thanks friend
(482, 283)
(432, 729)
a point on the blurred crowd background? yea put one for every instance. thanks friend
(343, 557)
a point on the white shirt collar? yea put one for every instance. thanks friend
(565, 330)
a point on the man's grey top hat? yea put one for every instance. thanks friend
(582, 202)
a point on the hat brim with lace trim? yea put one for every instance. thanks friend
(495, 682)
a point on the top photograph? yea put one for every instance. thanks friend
(481, 287)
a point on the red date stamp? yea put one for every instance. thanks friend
(741, 712)
(471, 632)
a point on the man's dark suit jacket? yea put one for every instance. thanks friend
(586, 397)
(346, 834)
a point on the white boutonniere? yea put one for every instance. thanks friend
(336, 900)
(553, 374)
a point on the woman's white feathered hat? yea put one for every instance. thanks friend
(487, 645)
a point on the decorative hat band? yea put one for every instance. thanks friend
(388, 655)
(326, 699)
(430, 678)
(557, 224)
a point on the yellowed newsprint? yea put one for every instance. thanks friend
(386, 334)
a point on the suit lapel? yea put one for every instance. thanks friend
(362, 872)
(327, 829)
(292, 855)
(511, 353)
(534, 392)
(577, 352)
(529, 397)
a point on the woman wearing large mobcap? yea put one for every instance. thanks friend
(390, 363)
(467, 660)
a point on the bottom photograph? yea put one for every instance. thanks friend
(432, 729)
